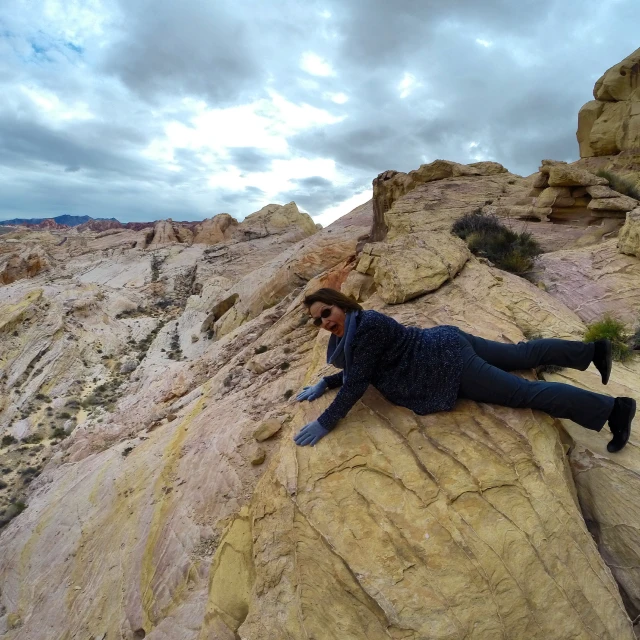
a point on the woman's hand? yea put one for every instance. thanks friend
(313, 392)
(310, 434)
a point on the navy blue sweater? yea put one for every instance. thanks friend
(415, 368)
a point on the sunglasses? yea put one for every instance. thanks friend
(325, 313)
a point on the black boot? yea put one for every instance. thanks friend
(620, 423)
(602, 358)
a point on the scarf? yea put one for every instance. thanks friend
(339, 349)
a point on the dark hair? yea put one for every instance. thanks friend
(331, 297)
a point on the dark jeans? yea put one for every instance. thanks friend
(484, 378)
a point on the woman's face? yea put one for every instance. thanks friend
(334, 322)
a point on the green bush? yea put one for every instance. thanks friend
(34, 438)
(620, 183)
(14, 509)
(614, 330)
(30, 471)
(8, 440)
(487, 237)
(634, 342)
(59, 433)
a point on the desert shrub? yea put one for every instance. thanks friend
(3, 484)
(8, 440)
(59, 433)
(30, 471)
(92, 400)
(616, 331)
(11, 512)
(620, 183)
(33, 438)
(156, 263)
(288, 393)
(487, 237)
(284, 366)
(130, 313)
(64, 415)
(127, 451)
(262, 348)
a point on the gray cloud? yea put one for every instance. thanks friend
(249, 159)
(316, 193)
(30, 145)
(514, 101)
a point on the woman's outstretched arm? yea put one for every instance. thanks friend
(334, 380)
(367, 351)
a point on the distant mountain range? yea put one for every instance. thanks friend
(66, 220)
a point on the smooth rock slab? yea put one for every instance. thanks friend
(619, 203)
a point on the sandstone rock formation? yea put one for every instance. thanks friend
(215, 230)
(99, 225)
(629, 238)
(26, 265)
(611, 123)
(273, 219)
(391, 185)
(568, 193)
(163, 233)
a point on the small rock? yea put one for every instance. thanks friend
(171, 417)
(128, 366)
(267, 429)
(194, 338)
(258, 456)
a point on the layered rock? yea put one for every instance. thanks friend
(99, 225)
(593, 281)
(567, 193)
(391, 185)
(611, 123)
(215, 230)
(26, 265)
(163, 233)
(408, 268)
(273, 219)
(289, 270)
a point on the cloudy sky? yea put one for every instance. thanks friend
(148, 109)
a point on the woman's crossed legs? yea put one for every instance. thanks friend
(485, 378)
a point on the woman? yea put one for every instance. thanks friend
(426, 370)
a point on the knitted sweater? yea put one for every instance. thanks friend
(415, 368)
